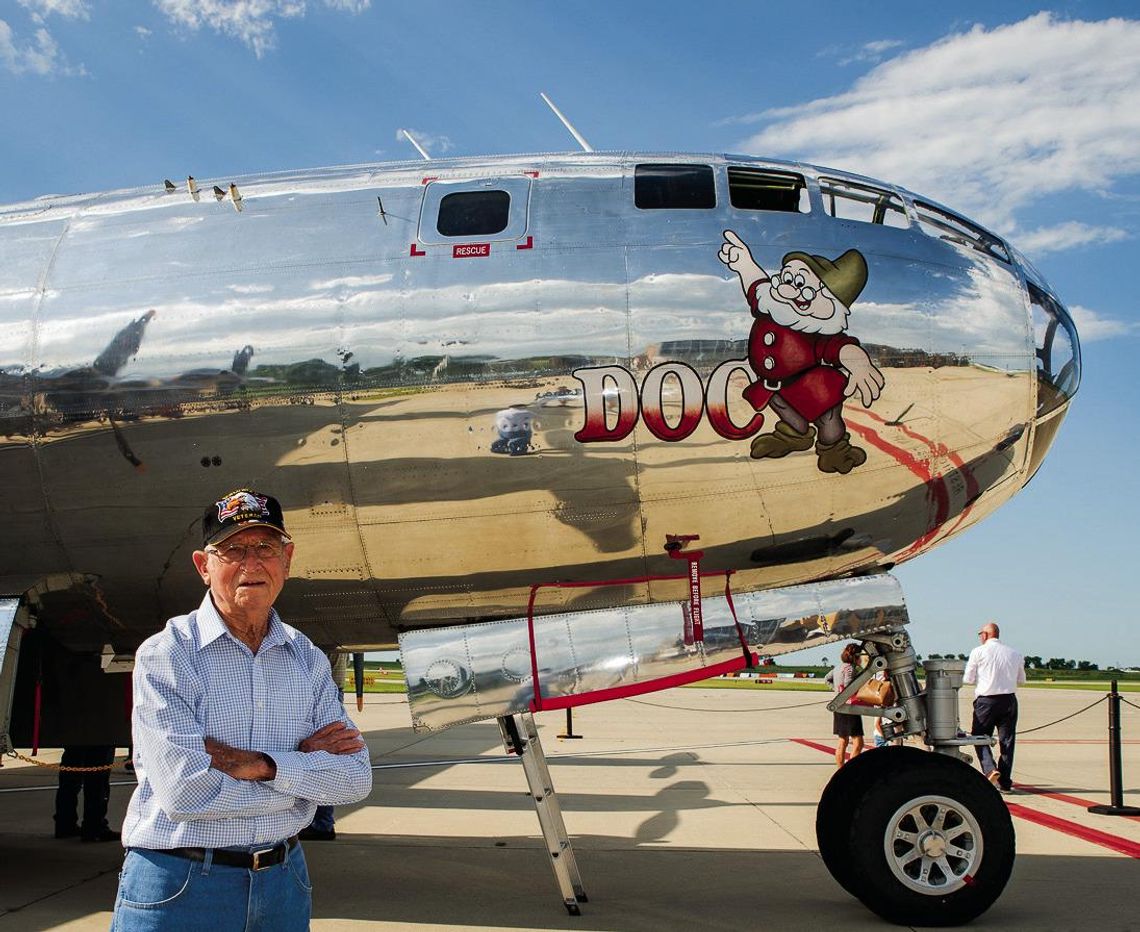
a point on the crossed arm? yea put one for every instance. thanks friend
(335, 738)
(197, 776)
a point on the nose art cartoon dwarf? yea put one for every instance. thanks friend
(806, 363)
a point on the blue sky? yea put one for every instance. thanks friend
(1025, 118)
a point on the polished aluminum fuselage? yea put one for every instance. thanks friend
(326, 343)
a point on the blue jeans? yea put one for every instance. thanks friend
(159, 892)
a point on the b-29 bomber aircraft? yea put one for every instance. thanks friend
(567, 427)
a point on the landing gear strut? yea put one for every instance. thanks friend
(921, 838)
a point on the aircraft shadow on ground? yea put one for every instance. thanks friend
(651, 889)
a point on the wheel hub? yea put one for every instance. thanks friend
(933, 845)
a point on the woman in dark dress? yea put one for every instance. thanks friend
(846, 727)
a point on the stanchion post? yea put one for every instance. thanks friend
(569, 724)
(1115, 763)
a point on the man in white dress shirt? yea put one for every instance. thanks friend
(997, 671)
(239, 733)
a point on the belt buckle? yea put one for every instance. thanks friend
(257, 855)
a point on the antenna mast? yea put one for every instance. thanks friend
(420, 149)
(586, 147)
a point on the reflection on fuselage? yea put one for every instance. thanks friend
(419, 408)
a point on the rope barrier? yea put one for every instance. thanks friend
(48, 765)
(682, 708)
(1065, 719)
(1126, 702)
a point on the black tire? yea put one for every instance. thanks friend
(836, 809)
(935, 842)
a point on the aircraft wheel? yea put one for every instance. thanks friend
(836, 809)
(932, 842)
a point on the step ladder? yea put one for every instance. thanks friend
(520, 737)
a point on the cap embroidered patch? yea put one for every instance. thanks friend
(240, 509)
(237, 502)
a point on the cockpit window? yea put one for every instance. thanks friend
(474, 213)
(935, 221)
(1058, 352)
(764, 189)
(674, 187)
(846, 200)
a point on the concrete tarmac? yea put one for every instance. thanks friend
(689, 808)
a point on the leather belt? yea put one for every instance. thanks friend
(250, 860)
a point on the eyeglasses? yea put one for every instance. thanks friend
(264, 551)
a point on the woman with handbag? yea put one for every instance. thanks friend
(846, 727)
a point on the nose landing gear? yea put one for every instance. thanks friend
(921, 838)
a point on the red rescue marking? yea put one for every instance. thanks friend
(429, 178)
(468, 250)
(529, 244)
(416, 252)
(532, 174)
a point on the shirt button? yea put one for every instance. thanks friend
(769, 338)
(769, 363)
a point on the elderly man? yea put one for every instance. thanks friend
(997, 671)
(239, 734)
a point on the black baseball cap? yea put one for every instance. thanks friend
(237, 510)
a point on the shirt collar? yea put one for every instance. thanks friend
(211, 626)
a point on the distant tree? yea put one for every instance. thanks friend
(1087, 665)
(1033, 663)
(933, 656)
(963, 657)
(1060, 663)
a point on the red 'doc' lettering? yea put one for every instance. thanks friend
(613, 403)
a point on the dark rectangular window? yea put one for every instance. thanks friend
(474, 213)
(674, 187)
(763, 189)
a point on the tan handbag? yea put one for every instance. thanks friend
(878, 693)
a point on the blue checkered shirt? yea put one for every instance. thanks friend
(194, 679)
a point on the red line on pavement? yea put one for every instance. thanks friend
(1064, 826)
(1104, 839)
(814, 744)
(1065, 798)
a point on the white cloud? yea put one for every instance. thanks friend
(69, 9)
(1091, 326)
(987, 121)
(252, 22)
(1066, 236)
(41, 56)
(872, 51)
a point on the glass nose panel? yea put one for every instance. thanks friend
(1058, 351)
